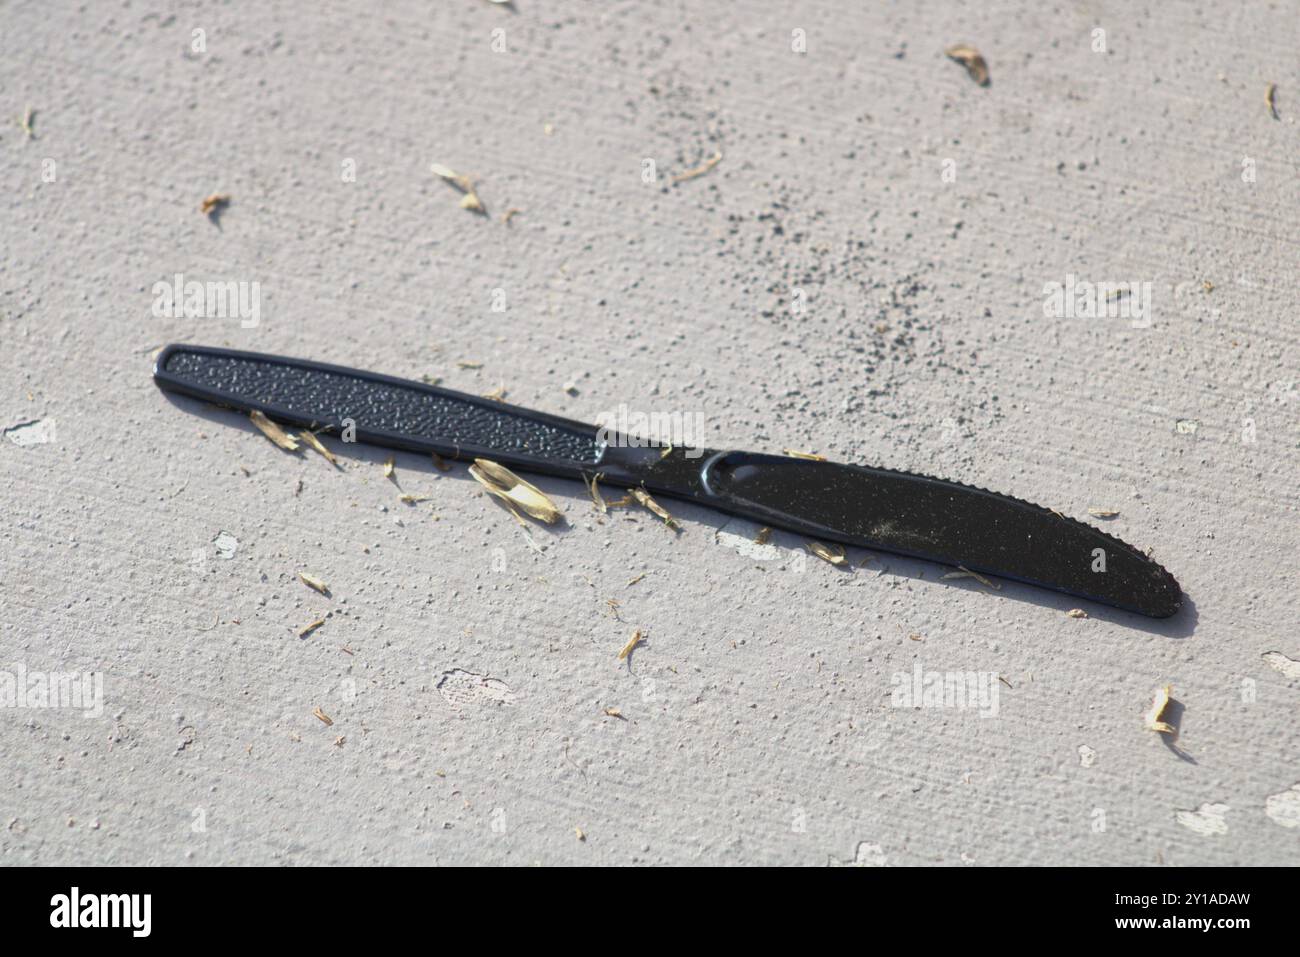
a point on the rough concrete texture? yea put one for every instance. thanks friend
(158, 542)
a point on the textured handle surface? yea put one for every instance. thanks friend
(397, 413)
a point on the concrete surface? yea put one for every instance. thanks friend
(157, 543)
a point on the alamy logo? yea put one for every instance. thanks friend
(628, 429)
(946, 689)
(1080, 299)
(83, 692)
(102, 910)
(181, 299)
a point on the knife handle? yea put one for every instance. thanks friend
(382, 410)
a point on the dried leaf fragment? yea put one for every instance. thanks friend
(810, 456)
(389, 464)
(642, 496)
(1270, 100)
(700, 170)
(597, 499)
(1103, 513)
(323, 716)
(510, 214)
(312, 627)
(29, 117)
(440, 464)
(829, 553)
(614, 713)
(1152, 718)
(632, 642)
(578, 832)
(214, 203)
(273, 432)
(1076, 613)
(463, 183)
(967, 573)
(972, 60)
(315, 443)
(314, 583)
(510, 488)
(764, 535)
(413, 499)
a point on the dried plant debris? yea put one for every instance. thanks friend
(312, 627)
(615, 713)
(642, 496)
(829, 553)
(698, 171)
(632, 642)
(1103, 513)
(273, 432)
(323, 716)
(27, 123)
(315, 443)
(510, 214)
(510, 488)
(1270, 100)
(577, 831)
(597, 500)
(810, 456)
(1076, 613)
(314, 583)
(413, 499)
(468, 364)
(498, 394)
(469, 200)
(964, 572)
(764, 535)
(389, 465)
(1151, 720)
(214, 203)
(633, 581)
(972, 60)
(440, 463)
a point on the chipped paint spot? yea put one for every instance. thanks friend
(740, 534)
(1284, 808)
(36, 432)
(465, 688)
(1087, 756)
(1207, 820)
(867, 855)
(1288, 666)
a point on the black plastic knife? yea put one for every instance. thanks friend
(941, 521)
